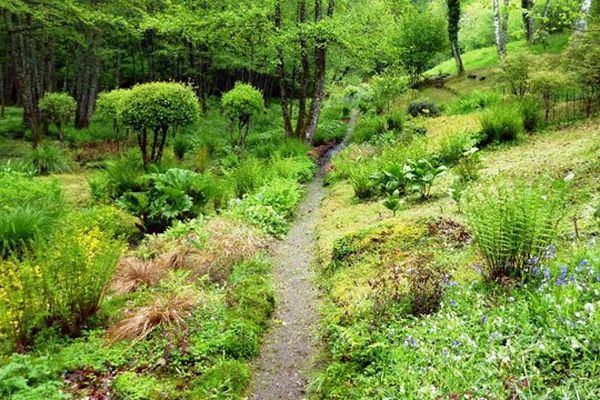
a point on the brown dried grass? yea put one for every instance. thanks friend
(165, 310)
(227, 243)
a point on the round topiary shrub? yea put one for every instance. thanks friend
(426, 108)
(239, 105)
(158, 107)
(110, 106)
(58, 108)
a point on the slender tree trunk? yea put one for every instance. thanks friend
(285, 102)
(498, 29)
(305, 64)
(581, 24)
(26, 72)
(320, 70)
(453, 29)
(86, 88)
(528, 24)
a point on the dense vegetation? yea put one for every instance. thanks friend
(152, 151)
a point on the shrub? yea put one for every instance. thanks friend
(158, 107)
(474, 101)
(368, 127)
(201, 159)
(514, 224)
(28, 210)
(74, 274)
(248, 176)
(329, 131)
(426, 108)
(515, 72)
(119, 176)
(28, 377)
(547, 84)
(395, 121)
(58, 108)
(300, 169)
(385, 88)
(530, 108)
(453, 148)
(239, 105)
(176, 194)
(110, 105)
(49, 159)
(583, 56)
(469, 166)
(501, 124)
(272, 207)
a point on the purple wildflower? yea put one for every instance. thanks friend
(456, 343)
(546, 273)
(550, 252)
(453, 303)
(598, 279)
(582, 265)
(483, 319)
(533, 260)
(536, 271)
(410, 342)
(453, 284)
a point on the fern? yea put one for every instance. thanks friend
(514, 224)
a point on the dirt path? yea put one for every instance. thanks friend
(289, 351)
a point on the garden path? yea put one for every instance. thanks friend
(290, 348)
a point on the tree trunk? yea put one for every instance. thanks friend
(581, 24)
(305, 64)
(86, 88)
(498, 31)
(285, 103)
(527, 11)
(453, 28)
(26, 72)
(320, 70)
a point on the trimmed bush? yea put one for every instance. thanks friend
(423, 108)
(158, 107)
(110, 105)
(501, 124)
(239, 105)
(58, 108)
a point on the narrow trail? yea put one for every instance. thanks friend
(289, 351)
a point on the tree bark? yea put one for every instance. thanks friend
(285, 103)
(528, 24)
(27, 75)
(498, 29)
(453, 29)
(581, 24)
(86, 88)
(305, 64)
(320, 70)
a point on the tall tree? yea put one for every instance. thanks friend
(528, 24)
(500, 26)
(453, 28)
(581, 23)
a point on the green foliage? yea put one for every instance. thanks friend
(158, 107)
(49, 159)
(132, 386)
(23, 377)
(530, 108)
(329, 131)
(516, 69)
(272, 207)
(239, 105)
(181, 146)
(58, 108)
(501, 124)
(548, 84)
(395, 121)
(453, 148)
(469, 166)
(248, 176)
(28, 210)
(362, 182)
(420, 176)
(300, 169)
(474, 101)
(110, 105)
(421, 37)
(513, 224)
(118, 177)
(368, 127)
(230, 377)
(176, 194)
(583, 56)
(423, 107)
(385, 88)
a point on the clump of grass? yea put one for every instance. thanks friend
(501, 124)
(166, 310)
(474, 101)
(49, 159)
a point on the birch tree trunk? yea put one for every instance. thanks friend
(582, 22)
(498, 29)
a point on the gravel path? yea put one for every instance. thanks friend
(289, 351)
